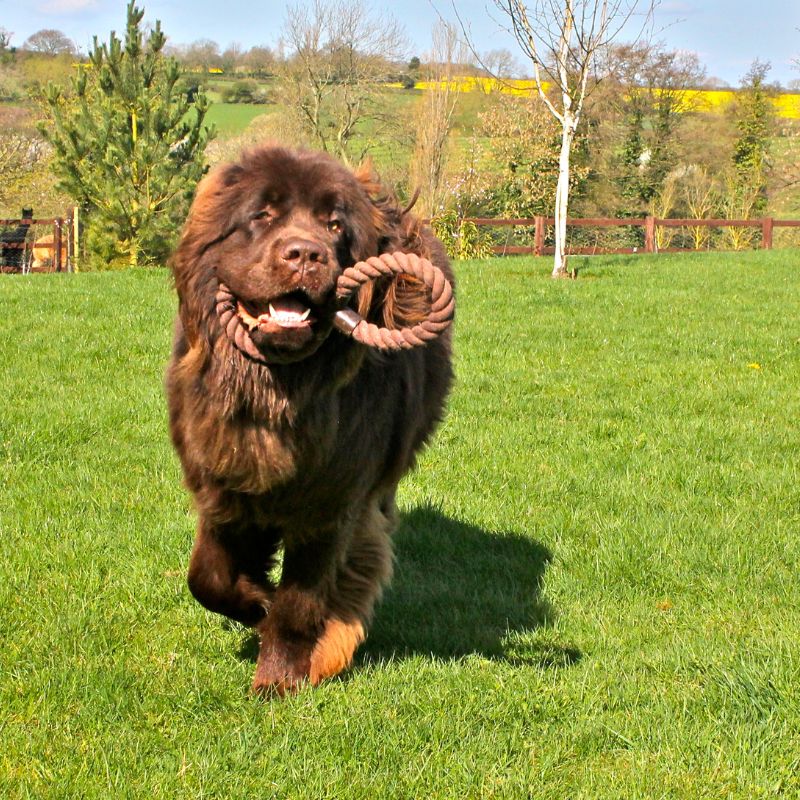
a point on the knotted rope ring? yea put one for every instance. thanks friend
(350, 322)
(443, 302)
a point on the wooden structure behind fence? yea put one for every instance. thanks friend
(650, 224)
(59, 245)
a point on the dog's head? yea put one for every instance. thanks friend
(277, 229)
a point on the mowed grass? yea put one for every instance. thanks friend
(596, 589)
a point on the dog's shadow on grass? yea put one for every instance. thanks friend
(460, 590)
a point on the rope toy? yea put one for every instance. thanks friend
(350, 322)
(443, 302)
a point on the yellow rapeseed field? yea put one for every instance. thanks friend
(787, 105)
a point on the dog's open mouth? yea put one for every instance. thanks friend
(282, 329)
(289, 312)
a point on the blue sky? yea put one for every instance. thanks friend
(726, 34)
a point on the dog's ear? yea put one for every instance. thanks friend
(209, 221)
(366, 221)
(404, 301)
(210, 217)
(384, 210)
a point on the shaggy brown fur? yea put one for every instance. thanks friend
(304, 452)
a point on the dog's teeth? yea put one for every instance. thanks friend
(306, 313)
(272, 310)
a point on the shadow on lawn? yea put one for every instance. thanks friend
(460, 590)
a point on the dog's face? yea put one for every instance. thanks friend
(277, 229)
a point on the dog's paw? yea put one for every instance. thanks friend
(283, 668)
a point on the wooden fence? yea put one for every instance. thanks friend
(650, 224)
(60, 244)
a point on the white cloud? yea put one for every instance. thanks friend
(65, 6)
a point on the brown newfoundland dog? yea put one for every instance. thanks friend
(294, 437)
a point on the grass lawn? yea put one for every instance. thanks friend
(596, 592)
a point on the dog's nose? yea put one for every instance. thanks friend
(304, 254)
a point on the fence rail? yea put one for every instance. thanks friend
(60, 244)
(650, 224)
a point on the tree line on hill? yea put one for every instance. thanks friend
(50, 54)
(639, 149)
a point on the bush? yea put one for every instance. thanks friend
(191, 85)
(245, 91)
(462, 239)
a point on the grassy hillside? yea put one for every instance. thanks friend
(596, 588)
(231, 119)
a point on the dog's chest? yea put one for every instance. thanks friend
(256, 455)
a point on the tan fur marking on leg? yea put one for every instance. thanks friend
(334, 650)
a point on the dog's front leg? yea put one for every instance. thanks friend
(297, 614)
(228, 570)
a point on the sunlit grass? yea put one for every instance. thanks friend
(596, 586)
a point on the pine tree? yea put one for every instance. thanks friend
(755, 119)
(128, 146)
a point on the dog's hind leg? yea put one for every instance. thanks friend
(225, 575)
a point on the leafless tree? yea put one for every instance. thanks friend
(500, 63)
(655, 68)
(203, 53)
(796, 61)
(339, 51)
(434, 118)
(259, 59)
(50, 42)
(232, 57)
(564, 40)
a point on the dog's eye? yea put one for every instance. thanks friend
(334, 226)
(263, 214)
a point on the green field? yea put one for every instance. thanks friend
(596, 591)
(390, 154)
(231, 119)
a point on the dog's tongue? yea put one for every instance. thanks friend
(287, 313)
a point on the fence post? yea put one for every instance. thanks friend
(76, 239)
(69, 223)
(538, 235)
(766, 233)
(57, 244)
(649, 234)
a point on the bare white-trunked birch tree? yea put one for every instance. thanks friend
(565, 41)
